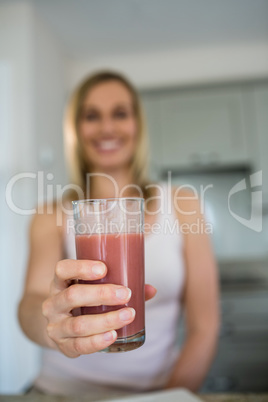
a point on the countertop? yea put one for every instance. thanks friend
(234, 397)
(202, 397)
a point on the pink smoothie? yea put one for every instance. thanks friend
(124, 256)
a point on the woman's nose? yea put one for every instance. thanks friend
(107, 126)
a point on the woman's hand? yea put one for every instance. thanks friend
(85, 334)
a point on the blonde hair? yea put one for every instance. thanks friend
(76, 162)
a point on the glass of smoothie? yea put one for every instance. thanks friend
(111, 230)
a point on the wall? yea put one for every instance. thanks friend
(200, 65)
(17, 354)
(49, 101)
(32, 96)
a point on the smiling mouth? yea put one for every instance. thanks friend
(108, 145)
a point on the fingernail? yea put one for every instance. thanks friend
(123, 293)
(109, 336)
(98, 269)
(127, 314)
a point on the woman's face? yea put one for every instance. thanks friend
(107, 126)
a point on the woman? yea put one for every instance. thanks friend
(106, 142)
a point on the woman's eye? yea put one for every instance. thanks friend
(91, 117)
(121, 114)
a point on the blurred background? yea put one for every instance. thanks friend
(202, 69)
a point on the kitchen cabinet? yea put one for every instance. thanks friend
(242, 358)
(152, 108)
(241, 362)
(259, 97)
(203, 127)
(221, 126)
(198, 127)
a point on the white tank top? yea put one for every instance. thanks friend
(148, 367)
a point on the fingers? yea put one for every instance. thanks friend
(87, 295)
(72, 334)
(67, 270)
(150, 292)
(74, 347)
(91, 324)
(86, 333)
(94, 295)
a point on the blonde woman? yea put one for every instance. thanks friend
(106, 141)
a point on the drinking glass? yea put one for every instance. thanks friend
(111, 230)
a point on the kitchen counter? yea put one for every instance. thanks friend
(234, 397)
(202, 397)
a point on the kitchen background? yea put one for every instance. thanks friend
(202, 70)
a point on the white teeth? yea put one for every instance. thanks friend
(108, 145)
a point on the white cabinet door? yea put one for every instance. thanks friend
(260, 95)
(203, 127)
